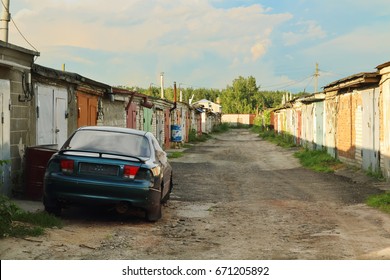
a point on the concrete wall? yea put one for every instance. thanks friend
(384, 135)
(235, 119)
(331, 106)
(15, 69)
(114, 113)
(352, 126)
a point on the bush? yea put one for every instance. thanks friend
(19, 223)
(7, 211)
(194, 138)
(192, 135)
(223, 127)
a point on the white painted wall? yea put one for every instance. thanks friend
(5, 152)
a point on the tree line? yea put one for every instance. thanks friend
(243, 96)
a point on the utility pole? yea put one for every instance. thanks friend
(162, 84)
(316, 75)
(5, 19)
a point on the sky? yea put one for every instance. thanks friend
(206, 43)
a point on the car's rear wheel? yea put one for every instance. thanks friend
(154, 214)
(168, 195)
(52, 207)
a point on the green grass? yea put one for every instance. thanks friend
(241, 126)
(175, 154)
(317, 160)
(321, 161)
(282, 140)
(193, 137)
(375, 174)
(19, 223)
(223, 127)
(380, 201)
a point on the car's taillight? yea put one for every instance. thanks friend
(67, 166)
(144, 174)
(130, 171)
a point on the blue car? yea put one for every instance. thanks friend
(109, 166)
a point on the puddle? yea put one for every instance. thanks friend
(195, 210)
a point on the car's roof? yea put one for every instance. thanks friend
(114, 129)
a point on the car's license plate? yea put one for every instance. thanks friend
(98, 169)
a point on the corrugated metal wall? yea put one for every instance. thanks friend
(319, 126)
(385, 124)
(331, 106)
(347, 125)
(370, 130)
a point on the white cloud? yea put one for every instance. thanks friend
(183, 28)
(308, 30)
(367, 40)
(205, 42)
(259, 49)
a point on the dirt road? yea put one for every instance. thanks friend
(235, 197)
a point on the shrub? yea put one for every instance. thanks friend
(7, 210)
(17, 222)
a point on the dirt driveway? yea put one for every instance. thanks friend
(235, 197)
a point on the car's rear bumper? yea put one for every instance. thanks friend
(68, 190)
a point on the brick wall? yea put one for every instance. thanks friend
(21, 113)
(346, 132)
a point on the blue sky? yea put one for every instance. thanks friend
(206, 43)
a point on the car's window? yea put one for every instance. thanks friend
(109, 142)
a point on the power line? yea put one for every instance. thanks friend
(17, 28)
(287, 84)
(312, 77)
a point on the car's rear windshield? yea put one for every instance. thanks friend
(109, 142)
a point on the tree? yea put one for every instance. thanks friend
(242, 97)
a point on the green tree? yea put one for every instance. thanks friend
(242, 97)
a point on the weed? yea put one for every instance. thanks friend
(241, 126)
(284, 140)
(7, 211)
(42, 219)
(318, 160)
(380, 201)
(175, 154)
(223, 127)
(17, 222)
(375, 174)
(193, 137)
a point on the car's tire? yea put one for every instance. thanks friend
(168, 195)
(52, 207)
(153, 215)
